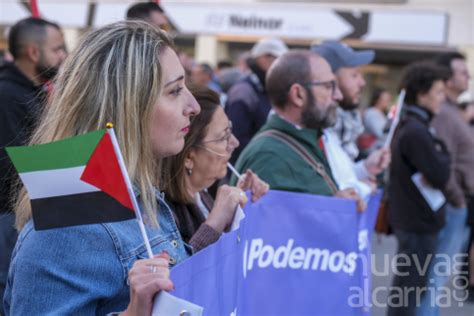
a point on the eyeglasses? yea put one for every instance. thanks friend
(226, 138)
(330, 85)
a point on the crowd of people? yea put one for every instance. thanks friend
(289, 119)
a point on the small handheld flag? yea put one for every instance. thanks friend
(77, 181)
(63, 185)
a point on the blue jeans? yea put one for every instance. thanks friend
(452, 241)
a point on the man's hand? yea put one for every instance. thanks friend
(352, 195)
(378, 161)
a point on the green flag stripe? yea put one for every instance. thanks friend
(66, 153)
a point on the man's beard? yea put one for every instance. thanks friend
(347, 104)
(259, 72)
(315, 118)
(45, 71)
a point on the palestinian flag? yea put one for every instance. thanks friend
(75, 181)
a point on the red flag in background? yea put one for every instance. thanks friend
(34, 9)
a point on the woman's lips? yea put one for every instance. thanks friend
(185, 129)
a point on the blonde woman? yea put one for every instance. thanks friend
(128, 74)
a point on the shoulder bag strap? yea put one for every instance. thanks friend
(303, 153)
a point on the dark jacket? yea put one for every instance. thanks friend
(190, 222)
(247, 107)
(20, 105)
(416, 149)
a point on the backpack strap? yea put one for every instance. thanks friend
(303, 153)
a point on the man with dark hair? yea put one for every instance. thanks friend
(340, 140)
(150, 12)
(456, 134)
(223, 64)
(37, 47)
(247, 101)
(303, 92)
(346, 65)
(418, 157)
(38, 50)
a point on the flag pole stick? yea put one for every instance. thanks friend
(396, 119)
(136, 207)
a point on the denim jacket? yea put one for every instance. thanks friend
(82, 270)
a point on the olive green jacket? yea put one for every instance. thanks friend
(279, 165)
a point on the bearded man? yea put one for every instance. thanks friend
(304, 95)
(38, 49)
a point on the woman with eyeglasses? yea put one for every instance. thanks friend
(207, 150)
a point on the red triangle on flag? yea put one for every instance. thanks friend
(103, 171)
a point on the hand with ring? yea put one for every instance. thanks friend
(225, 205)
(153, 269)
(146, 278)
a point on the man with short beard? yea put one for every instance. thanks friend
(38, 50)
(303, 92)
(340, 140)
(346, 63)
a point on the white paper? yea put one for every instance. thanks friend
(435, 198)
(238, 216)
(167, 304)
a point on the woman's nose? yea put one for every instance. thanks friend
(233, 142)
(192, 108)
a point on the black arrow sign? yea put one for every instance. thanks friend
(360, 24)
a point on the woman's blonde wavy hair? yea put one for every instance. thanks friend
(114, 75)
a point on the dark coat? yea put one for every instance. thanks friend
(416, 149)
(20, 105)
(247, 107)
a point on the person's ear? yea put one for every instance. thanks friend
(422, 100)
(189, 160)
(33, 53)
(297, 95)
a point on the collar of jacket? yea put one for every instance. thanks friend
(307, 136)
(423, 114)
(257, 76)
(255, 80)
